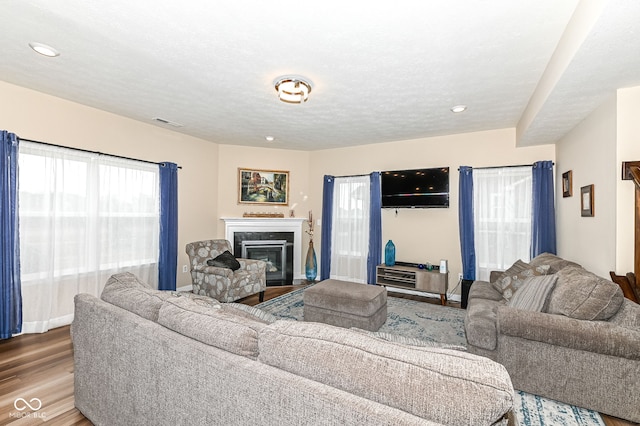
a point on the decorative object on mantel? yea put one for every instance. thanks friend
(586, 201)
(257, 186)
(311, 264)
(567, 184)
(260, 214)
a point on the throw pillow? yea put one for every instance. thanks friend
(225, 260)
(581, 294)
(555, 263)
(534, 293)
(511, 283)
(516, 268)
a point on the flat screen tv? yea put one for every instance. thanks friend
(418, 188)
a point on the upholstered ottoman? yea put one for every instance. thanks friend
(346, 304)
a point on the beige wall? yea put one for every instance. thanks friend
(208, 179)
(589, 151)
(628, 149)
(33, 115)
(233, 157)
(424, 235)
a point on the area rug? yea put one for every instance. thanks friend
(444, 324)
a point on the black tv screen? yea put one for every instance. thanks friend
(418, 188)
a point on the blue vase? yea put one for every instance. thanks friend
(311, 265)
(390, 254)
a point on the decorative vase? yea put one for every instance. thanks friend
(390, 254)
(311, 265)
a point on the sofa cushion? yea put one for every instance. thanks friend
(126, 291)
(534, 293)
(251, 312)
(511, 283)
(583, 295)
(447, 386)
(225, 260)
(483, 290)
(555, 263)
(409, 341)
(212, 323)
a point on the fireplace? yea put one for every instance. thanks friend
(275, 248)
(278, 241)
(273, 253)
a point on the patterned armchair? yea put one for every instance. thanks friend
(224, 284)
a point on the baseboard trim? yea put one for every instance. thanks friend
(185, 288)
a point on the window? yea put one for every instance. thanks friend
(502, 217)
(83, 217)
(350, 229)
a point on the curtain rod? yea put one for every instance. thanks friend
(504, 167)
(91, 152)
(349, 176)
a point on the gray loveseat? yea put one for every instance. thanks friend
(575, 340)
(148, 357)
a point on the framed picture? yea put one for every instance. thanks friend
(586, 201)
(257, 186)
(567, 184)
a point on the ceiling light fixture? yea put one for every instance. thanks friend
(270, 138)
(458, 108)
(293, 90)
(44, 49)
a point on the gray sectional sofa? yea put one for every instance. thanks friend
(564, 333)
(148, 357)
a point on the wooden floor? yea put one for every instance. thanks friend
(41, 366)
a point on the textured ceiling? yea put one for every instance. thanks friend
(381, 71)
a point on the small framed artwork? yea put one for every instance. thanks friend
(567, 184)
(586, 201)
(256, 186)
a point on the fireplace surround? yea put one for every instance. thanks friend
(260, 230)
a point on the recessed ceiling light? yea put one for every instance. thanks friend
(458, 108)
(44, 49)
(270, 138)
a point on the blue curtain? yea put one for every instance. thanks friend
(374, 257)
(10, 291)
(168, 262)
(327, 220)
(543, 228)
(465, 217)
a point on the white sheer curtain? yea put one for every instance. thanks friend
(502, 217)
(83, 217)
(350, 228)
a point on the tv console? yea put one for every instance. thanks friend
(414, 278)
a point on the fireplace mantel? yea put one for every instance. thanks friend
(270, 224)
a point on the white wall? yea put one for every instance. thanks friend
(589, 151)
(628, 149)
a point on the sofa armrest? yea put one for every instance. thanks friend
(213, 270)
(591, 336)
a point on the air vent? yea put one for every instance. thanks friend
(167, 122)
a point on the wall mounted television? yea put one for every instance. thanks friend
(417, 188)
